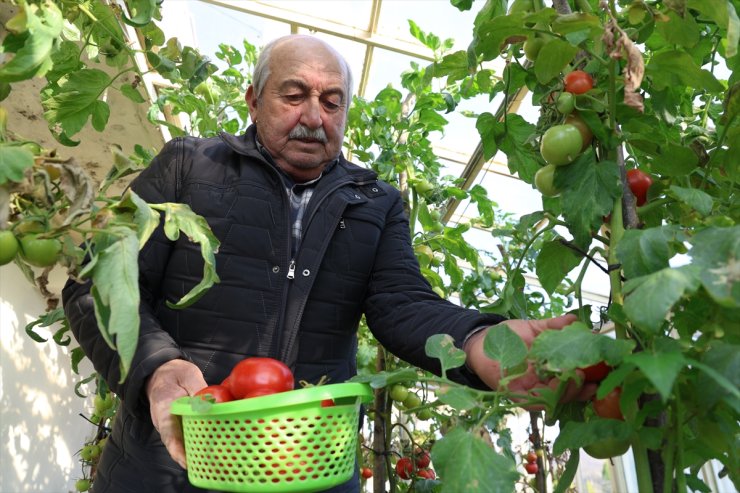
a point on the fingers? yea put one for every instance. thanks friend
(170, 432)
(555, 323)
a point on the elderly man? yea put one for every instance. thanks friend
(309, 243)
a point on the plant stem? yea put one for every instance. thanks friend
(678, 424)
(642, 466)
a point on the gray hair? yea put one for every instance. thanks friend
(262, 68)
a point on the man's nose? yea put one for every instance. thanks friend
(311, 115)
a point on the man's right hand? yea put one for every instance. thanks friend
(174, 379)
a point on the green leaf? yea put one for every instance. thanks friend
(179, 217)
(458, 397)
(14, 161)
(651, 297)
(553, 57)
(386, 378)
(577, 21)
(645, 251)
(133, 94)
(77, 100)
(514, 139)
(575, 435)
(43, 28)
(589, 190)
(486, 126)
(100, 114)
(115, 291)
(717, 252)
(720, 377)
(554, 261)
(697, 199)
(660, 368)
(672, 68)
(142, 12)
(505, 346)
(442, 347)
(724, 14)
(674, 160)
(576, 346)
(467, 463)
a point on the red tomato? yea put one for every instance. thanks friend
(219, 393)
(578, 82)
(531, 468)
(366, 473)
(531, 457)
(422, 459)
(259, 376)
(596, 373)
(639, 182)
(327, 403)
(427, 474)
(608, 407)
(404, 468)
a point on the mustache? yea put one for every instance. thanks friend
(301, 131)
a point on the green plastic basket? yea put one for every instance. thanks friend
(284, 442)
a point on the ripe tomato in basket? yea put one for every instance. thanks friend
(218, 392)
(259, 376)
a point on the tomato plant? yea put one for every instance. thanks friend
(608, 406)
(578, 82)
(256, 376)
(561, 144)
(639, 183)
(218, 393)
(8, 247)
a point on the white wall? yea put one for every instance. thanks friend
(41, 429)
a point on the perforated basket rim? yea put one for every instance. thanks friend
(272, 402)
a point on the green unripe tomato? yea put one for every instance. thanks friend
(532, 47)
(411, 401)
(544, 180)
(82, 484)
(565, 103)
(8, 247)
(519, 6)
(605, 449)
(424, 414)
(103, 404)
(41, 252)
(561, 144)
(398, 393)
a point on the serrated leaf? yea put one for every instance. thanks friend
(133, 94)
(577, 21)
(442, 347)
(177, 218)
(385, 378)
(459, 398)
(513, 138)
(553, 57)
(575, 434)
(554, 261)
(660, 368)
(14, 161)
(674, 68)
(575, 346)
(717, 252)
(643, 252)
(100, 114)
(467, 463)
(589, 190)
(651, 297)
(720, 377)
(77, 100)
(142, 12)
(504, 345)
(697, 199)
(115, 292)
(43, 27)
(724, 14)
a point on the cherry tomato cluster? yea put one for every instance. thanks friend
(409, 400)
(531, 465)
(416, 466)
(251, 377)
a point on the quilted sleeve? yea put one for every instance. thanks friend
(401, 309)
(156, 184)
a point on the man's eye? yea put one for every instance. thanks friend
(294, 98)
(331, 104)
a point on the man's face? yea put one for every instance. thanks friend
(301, 113)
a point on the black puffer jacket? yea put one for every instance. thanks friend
(355, 257)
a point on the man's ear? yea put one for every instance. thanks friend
(251, 98)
